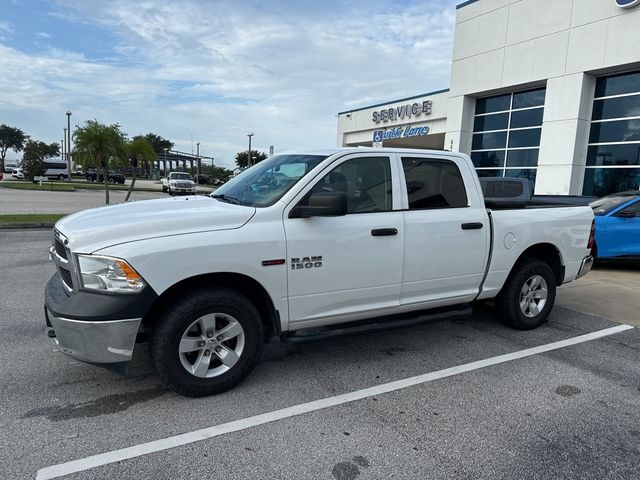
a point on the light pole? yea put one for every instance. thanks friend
(64, 145)
(62, 148)
(198, 158)
(249, 152)
(69, 145)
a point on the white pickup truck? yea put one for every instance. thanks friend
(178, 183)
(301, 246)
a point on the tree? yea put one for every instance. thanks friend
(100, 146)
(10, 139)
(141, 153)
(35, 152)
(158, 143)
(241, 157)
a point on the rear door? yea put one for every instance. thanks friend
(347, 267)
(623, 231)
(446, 239)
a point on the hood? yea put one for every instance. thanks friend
(98, 228)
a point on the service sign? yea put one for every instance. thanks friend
(404, 111)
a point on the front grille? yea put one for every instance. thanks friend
(60, 250)
(67, 278)
(183, 185)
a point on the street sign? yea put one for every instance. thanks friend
(377, 138)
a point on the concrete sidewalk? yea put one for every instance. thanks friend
(611, 290)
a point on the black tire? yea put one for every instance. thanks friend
(176, 319)
(164, 189)
(508, 300)
(61, 177)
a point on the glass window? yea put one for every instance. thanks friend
(618, 107)
(433, 183)
(366, 181)
(525, 138)
(266, 182)
(626, 154)
(532, 98)
(603, 181)
(493, 104)
(527, 118)
(485, 172)
(497, 121)
(605, 205)
(618, 84)
(528, 173)
(489, 141)
(488, 159)
(523, 158)
(634, 207)
(615, 131)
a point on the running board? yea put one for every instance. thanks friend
(313, 335)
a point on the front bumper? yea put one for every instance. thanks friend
(94, 342)
(585, 266)
(95, 327)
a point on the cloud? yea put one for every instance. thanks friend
(219, 69)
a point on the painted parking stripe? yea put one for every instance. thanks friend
(107, 458)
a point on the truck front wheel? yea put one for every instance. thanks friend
(207, 342)
(528, 295)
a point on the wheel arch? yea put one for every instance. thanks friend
(547, 253)
(243, 284)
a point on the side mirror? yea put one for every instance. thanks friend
(322, 204)
(624, 214)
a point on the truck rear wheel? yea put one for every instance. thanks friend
(528, 295)
(207, 342)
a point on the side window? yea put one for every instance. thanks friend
(634, 208)
(366, 182)
(433, 183)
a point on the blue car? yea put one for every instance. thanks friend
(617, 225)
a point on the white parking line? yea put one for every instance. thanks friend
(107, 458)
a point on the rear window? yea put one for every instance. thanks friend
(433, 183)
(604, 205)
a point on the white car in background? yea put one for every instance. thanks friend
(18, 173)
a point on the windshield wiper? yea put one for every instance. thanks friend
(227, 198)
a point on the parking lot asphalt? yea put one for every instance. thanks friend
(36, 201)
(573, 412)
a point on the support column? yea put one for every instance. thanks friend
(565, 135)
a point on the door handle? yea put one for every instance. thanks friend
(383, 232)
(472, 226)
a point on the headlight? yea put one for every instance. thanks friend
(109, 274)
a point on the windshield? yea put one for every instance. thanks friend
(604, 205)
(265, 183)
(180, 176)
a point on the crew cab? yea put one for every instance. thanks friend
(301, 246)
(178, 183)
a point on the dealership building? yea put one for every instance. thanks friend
(547, 90)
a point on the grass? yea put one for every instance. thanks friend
(31, 218)
(69, 187)
(49, 186)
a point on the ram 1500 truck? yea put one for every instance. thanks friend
(302, 242)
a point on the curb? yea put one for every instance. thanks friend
(16, 226)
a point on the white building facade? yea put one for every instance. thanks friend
(542, 89)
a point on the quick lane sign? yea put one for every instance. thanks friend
(627, 3)
(400, 132)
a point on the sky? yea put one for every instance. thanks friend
(211, 71)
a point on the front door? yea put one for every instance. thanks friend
(623, 232)
(347, 267)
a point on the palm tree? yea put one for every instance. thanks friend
(101, 146)
(141, 152)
